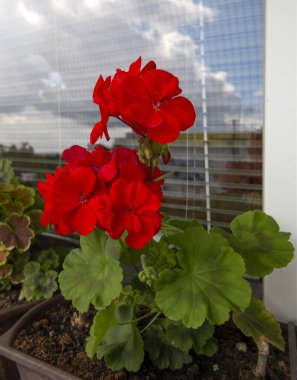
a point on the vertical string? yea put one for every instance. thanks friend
(204, 116)
(187, 133)
(58, 87)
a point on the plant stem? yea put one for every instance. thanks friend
(162, 177)
(127, 255)
(263, 352)
(150, 323)
(138, 319)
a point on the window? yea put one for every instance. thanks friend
(54, 50)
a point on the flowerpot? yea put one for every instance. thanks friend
(31, 368)
(8, 317)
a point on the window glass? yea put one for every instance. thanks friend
(53, 51)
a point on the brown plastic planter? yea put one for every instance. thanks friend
(8, 317)
(31, 368)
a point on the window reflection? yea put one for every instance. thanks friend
(54, 51)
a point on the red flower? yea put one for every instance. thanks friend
(103, 97)
(74, 201)
(74, 153)
(135, 209)
(150, 103)
(147, 100)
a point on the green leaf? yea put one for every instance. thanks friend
(261, 244)
(4, 198)
(103, 321)
(256, 237)
(20, 198)
(162, 352)
(209, 283)
(38, 284)
(256, 321)
(92, 274)
(122, 347)
(3, 255)
(15, 233)
(172, 226)
(184, 338)
(19, 262)
(48, 259)
(6, 171)
(5, 271)
(209, 349)
(35, 217)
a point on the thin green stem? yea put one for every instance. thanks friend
(162, 177)
(127, 255)
(150, 323)
(138, 319)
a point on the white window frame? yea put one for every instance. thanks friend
(280, 145)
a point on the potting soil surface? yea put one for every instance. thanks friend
(10, 298)
(53, 339)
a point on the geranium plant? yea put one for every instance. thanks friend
(162, 295)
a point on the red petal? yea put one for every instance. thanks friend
(74, 153)
(84, 219)
(182, 109)
(107, 172)
(97, 132)
(118, 224)
(118, 191)
(139, 240)
(161, 84)
(151, 65)
(133, 223)
(167, 132)
(134, 68)
(84, 179)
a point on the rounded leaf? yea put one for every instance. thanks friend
(92, 274)
(256, 321)
(260, 243)
(209, 283)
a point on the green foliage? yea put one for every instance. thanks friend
(21, 197)
(92, 274)
(35, 217)
(256, 237)
(5, 271)
(39, 277)
(207, 266)
(172, 226)
(122, 347)
(38, 283)
(103, 321)
(19, 262)
(6, 172)
(183, 286)
(256, 321)
(48, 259)
(19, 224)
(15, 233)
(162, 352)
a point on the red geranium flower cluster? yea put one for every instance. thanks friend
(110, 190)
(146, 99)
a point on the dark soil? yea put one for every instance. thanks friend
(54, 340)
(10, 298)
